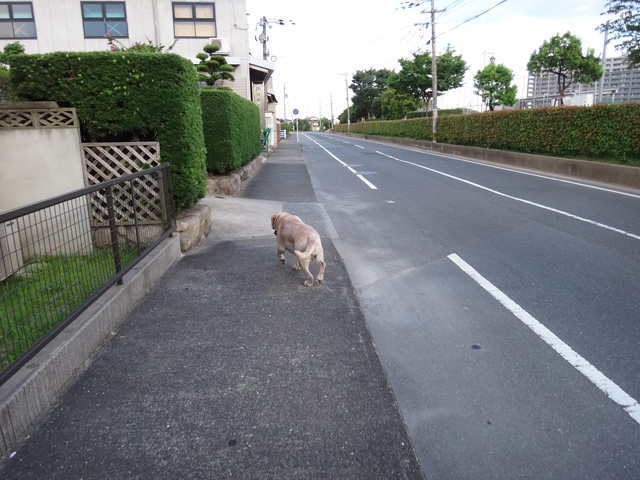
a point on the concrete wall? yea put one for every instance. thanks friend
(38, 163)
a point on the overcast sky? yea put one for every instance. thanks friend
(332, 38)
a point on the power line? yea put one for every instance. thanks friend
(473, 18)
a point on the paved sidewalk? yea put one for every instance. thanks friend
(231, 368)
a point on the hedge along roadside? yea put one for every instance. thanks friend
(609, 133)
(231, 129)
(122, 96)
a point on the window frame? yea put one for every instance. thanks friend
(12, 20)
(104, 19)
(194, 19)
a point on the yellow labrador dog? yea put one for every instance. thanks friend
(300, 239)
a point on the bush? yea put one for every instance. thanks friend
(602, 132)
(231, 129)
(120, 96)
(286, 126)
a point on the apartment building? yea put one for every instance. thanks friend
(45, 26)
(618, 84)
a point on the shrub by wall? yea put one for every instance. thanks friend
(231, 129)
(602, 132)
(124, 96)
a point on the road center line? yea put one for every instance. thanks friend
(367, 182)
(613, 391)
(528, 202)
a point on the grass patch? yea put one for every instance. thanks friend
(45, 291)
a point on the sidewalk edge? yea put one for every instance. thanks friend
(35, 387)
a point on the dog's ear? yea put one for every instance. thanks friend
(274, 220)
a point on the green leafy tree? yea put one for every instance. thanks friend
(303, 124)
(286, 126)
(493, 85)
(626, 27)
(213, 67)
(562, 56)
(396, 105)
(354, 115)
(367, 85)
(6, 93)
(414, 77)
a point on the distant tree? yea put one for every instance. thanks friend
(562, 56)
(626, 26)
(213, 67)
(286, 126)
(414, 77)
(367, 85)
(303, 124)
(343, 116)
(493, 85)
(396, 105)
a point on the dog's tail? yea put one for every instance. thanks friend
(307, 253)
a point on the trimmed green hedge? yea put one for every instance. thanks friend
(603, 132)
(120, 96)
(231, 129)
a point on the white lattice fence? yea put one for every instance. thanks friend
(38, 118)
(105, 161)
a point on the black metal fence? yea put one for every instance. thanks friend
(59, 255)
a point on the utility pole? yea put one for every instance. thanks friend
(263, 22)
(604, 57)
(263, 38)
(331, 103)
(434, 68)
(346, 84)
(285, 100)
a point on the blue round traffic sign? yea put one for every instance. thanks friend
(295, 111)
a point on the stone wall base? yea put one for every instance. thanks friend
(193, 225)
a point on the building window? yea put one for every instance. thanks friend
(102, 18)
(194, 20)
(16, 20)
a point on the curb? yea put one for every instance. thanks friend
(35, 387)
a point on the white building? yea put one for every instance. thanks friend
(618, 84)
(45, 26)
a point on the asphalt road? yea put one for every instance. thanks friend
(505, 307)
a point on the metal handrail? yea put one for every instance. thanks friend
(167, 226)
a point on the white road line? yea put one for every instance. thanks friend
(613, 391)
(512, 170)
(517, 199)
(360, 146)
(367, 182)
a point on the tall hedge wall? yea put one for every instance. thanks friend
(602, 132)
(231, 129)
(120, 96)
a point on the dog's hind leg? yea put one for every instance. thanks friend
(319, 259)
(304, 265)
